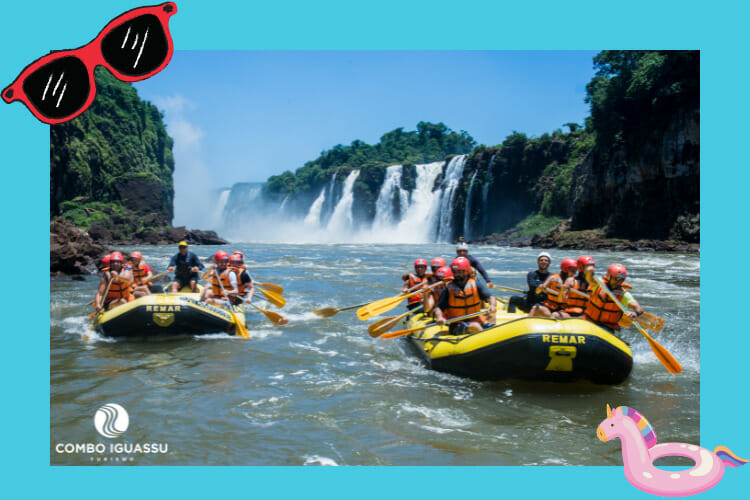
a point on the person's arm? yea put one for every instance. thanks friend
(99, 298)
(485, 295)
(629, 301)
(480, 269)
(172, 263)
(442, 304)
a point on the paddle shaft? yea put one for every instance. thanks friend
(664, 356)
(241, 330)
(379, 327)
(401, 333)
(515, 290)
(383, 305)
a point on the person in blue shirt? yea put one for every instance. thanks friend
(186, 266)
(462, 250)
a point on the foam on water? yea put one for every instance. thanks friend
(318, 460)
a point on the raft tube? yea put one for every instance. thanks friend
(526, 348)
(167, 314)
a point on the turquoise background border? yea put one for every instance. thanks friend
(29, 30)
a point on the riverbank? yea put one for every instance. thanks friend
(74, 251)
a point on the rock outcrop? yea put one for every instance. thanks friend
(72, 251)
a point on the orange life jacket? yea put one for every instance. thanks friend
(413, 280)
(139, 272)
(242, 287)
(555, 302)
(216, 288)
(435, 292)
(118, 289)
(462, 301)
(600, 308)
(576, 304)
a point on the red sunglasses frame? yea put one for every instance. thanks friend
(91, 56)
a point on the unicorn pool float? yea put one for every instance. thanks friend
(639, 451)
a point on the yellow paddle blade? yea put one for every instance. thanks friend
(274, 288)
(239, 328)
(273, 317)
(379, 307)
(272, 297)
(653, 323)
(380, 327)
(326, 312)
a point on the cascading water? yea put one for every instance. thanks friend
(341, 219)
(312, 219)
(415, 225)
(453, 173)
(385, 214)
(221, 204)
(467, 208)
(485, 193)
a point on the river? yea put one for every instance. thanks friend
(321, 391)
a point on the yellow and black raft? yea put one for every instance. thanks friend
(526, 348)
(165, 315)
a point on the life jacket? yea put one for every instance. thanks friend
(224, 276)
(462, 301)
(555, 302)
(435, 292)
(241, 273)
(576, 304)
(139, 272)
(600, 308)
(413, 280)
(118, 289)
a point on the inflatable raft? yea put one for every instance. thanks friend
(167, 314)
(521, 347)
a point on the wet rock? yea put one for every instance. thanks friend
(72, 251)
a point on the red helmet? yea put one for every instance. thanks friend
(237, 252)
(461, 263)
(105, 260)
(235, 258)
(444, 273)
(617, 271)
(115, 257)
(567, 264)
(437, 262)
(220, 256)
(420, 262)
(583, 261)
(136, 255)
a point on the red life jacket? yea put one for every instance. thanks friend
(413, 280)
(462, 301)
(600, 308)
(555, 302)
(576, 304)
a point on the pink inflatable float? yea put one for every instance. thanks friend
(639, 451)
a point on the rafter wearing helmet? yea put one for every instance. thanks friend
(462, 250)
(600, 308)
(464, 295)
(556, 286)
(412, 282)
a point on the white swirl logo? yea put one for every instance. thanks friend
(111, 420)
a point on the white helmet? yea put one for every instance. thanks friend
(462, 245)
(544, 254)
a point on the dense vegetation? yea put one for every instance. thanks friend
(113, 164)
(430, 142)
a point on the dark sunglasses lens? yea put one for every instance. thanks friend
(58, 89)
(137, 47)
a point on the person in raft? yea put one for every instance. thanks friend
(431, 279)
(431, 298)
(412, 282)
(600, 309)
(186, 266)
(576, 302)
(464, 295)
(556, 286)
(245, 284)
(224, 281)
(141, 275)
(533, 280)
(462, 250)
(118, 280)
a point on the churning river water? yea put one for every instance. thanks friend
(321, 391)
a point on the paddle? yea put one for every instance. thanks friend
(270, 286)
(152, 277)
(380, 327)
(516, 290)
(98, 312)
(380, 306)
(272, 297)
(240, 329)
(327, 312)
(401, 333)
(646, 320)
(664, 356)
(273, 317)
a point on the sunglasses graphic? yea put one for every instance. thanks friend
(60, 86)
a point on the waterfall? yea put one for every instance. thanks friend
(467, 208)
(485, 192)
(341, 219)
(384, 213)
(417, 215)
(312, 219)
(283, 204)
(453, 173)
(221, 204)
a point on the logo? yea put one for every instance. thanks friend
(111, 420)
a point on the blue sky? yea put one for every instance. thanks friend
(245, 115)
